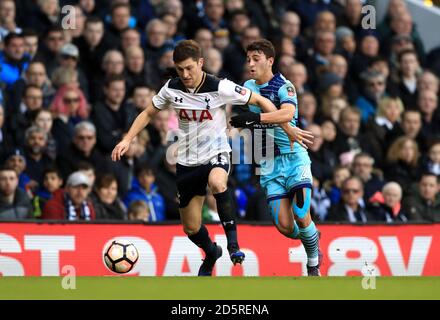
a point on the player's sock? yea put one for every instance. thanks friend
(202, 240)
(310, 240)
(227, 217)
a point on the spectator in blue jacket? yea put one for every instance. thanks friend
(144, 189)
(13, 60)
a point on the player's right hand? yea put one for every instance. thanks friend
(303, 137)
(120, 149)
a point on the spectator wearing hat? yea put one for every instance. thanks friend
(14, 203)
(69, 57)
(13, 59)
(373, 91)
(221, 39)
(71, 203)
(16, 160)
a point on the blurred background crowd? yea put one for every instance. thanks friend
(72, 82)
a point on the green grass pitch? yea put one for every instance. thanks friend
(220, 288)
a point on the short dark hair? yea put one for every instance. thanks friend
(52, 169)
(118, 5)
(29, 33)
(264, 46)
(11, 36)
(84, 165)
(405, 52)
(144, 168)
(429, 174)
(104, 181)
(7, 167)
(113, 78)
(93, 19)
(30, 86)
(187, 49)
(55, 28)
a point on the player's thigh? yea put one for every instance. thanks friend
(282, 216)
(191, 215)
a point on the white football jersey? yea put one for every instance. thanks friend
(201, 115)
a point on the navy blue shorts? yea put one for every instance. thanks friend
(192, 181)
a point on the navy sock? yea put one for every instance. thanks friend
(227, 217)
(202, 240)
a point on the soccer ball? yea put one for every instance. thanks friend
(121, 256)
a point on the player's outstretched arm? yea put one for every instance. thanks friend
(271, 116)
(139, 123)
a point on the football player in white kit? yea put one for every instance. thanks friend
(203, 149)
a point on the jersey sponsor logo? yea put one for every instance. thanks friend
(194, 115)
(290, 91)
(240, 90)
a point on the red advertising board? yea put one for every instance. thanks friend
(28, 249)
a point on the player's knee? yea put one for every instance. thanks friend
(284, 229)
(191, 229)
(218, 186)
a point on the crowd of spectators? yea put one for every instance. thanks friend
(72, 82)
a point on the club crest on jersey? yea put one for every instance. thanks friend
(290, 91)
(240, 90)
(194, 115)
(272, 97)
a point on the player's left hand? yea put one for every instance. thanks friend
(303, 137)
(245, 120)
